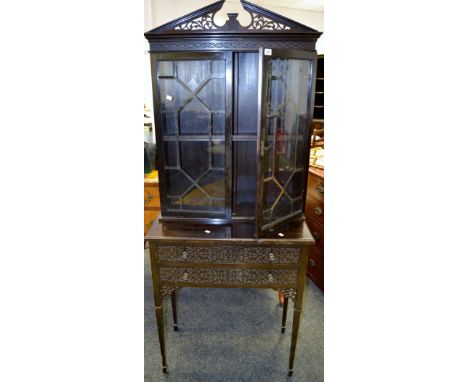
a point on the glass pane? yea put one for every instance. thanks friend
(198, 182)
(172, 94)
(166, 68)
(287, 90)
(212, 95)
(195, 119)
(193, 110)
(193, 73)
(194, 158)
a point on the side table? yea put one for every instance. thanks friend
(227, 256)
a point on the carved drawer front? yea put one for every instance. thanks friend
(228, 276)
(229, 254)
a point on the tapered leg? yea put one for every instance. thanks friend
(298, 307)
(174, 309)
(158, 304)
(295, 331)
(162, 341)
(285, 314)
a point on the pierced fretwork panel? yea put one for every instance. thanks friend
(260, 22)
(193, 113)
(286, 115)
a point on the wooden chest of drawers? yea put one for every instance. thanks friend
(314, 213)
(152, 202)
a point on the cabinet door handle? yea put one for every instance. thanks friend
(270, 277)
(318, 211)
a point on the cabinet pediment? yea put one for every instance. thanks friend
(202, 21)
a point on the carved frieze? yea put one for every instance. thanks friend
(166, 290)
(181, 45)
(229, 254)
(228, 276)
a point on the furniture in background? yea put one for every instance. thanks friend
(152, 203)
(319, 101)
(314, 213)
(233, 112)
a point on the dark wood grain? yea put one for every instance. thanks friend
(216, 237)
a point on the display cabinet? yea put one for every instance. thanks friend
(233, 111)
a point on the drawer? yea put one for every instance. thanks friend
(315, 267)
(150, 218)
(315, 187)
(228, 276)
(314, 209)
(316, 230)
(152, 196)
(228, 254)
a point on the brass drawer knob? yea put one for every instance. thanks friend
(184, 254)
(148, 198)
(272, 256)
(311, 263)
(318, 211)
(185, 276)
(270, 277)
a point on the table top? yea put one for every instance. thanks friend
(317, 171)
(241, 232)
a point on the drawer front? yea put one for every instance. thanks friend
(150, 218)
(315, 210)
(152, 196)
(315, 187)
(229, 255)
(316, 230)
(228, 277)
(315, 267)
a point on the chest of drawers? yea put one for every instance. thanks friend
(314, 213)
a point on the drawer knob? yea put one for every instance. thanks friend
(149, 197)
(185, 276)
(318, 211)
(184, 254)
(272, 256)
(319, 188)
(311, 263)
(316, 236)
(270, 277)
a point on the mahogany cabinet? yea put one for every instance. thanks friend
(233, 110)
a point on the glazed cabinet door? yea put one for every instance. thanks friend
(285, 100)
(192, 106)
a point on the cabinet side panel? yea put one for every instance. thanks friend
(247, 94)
(245, 185)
